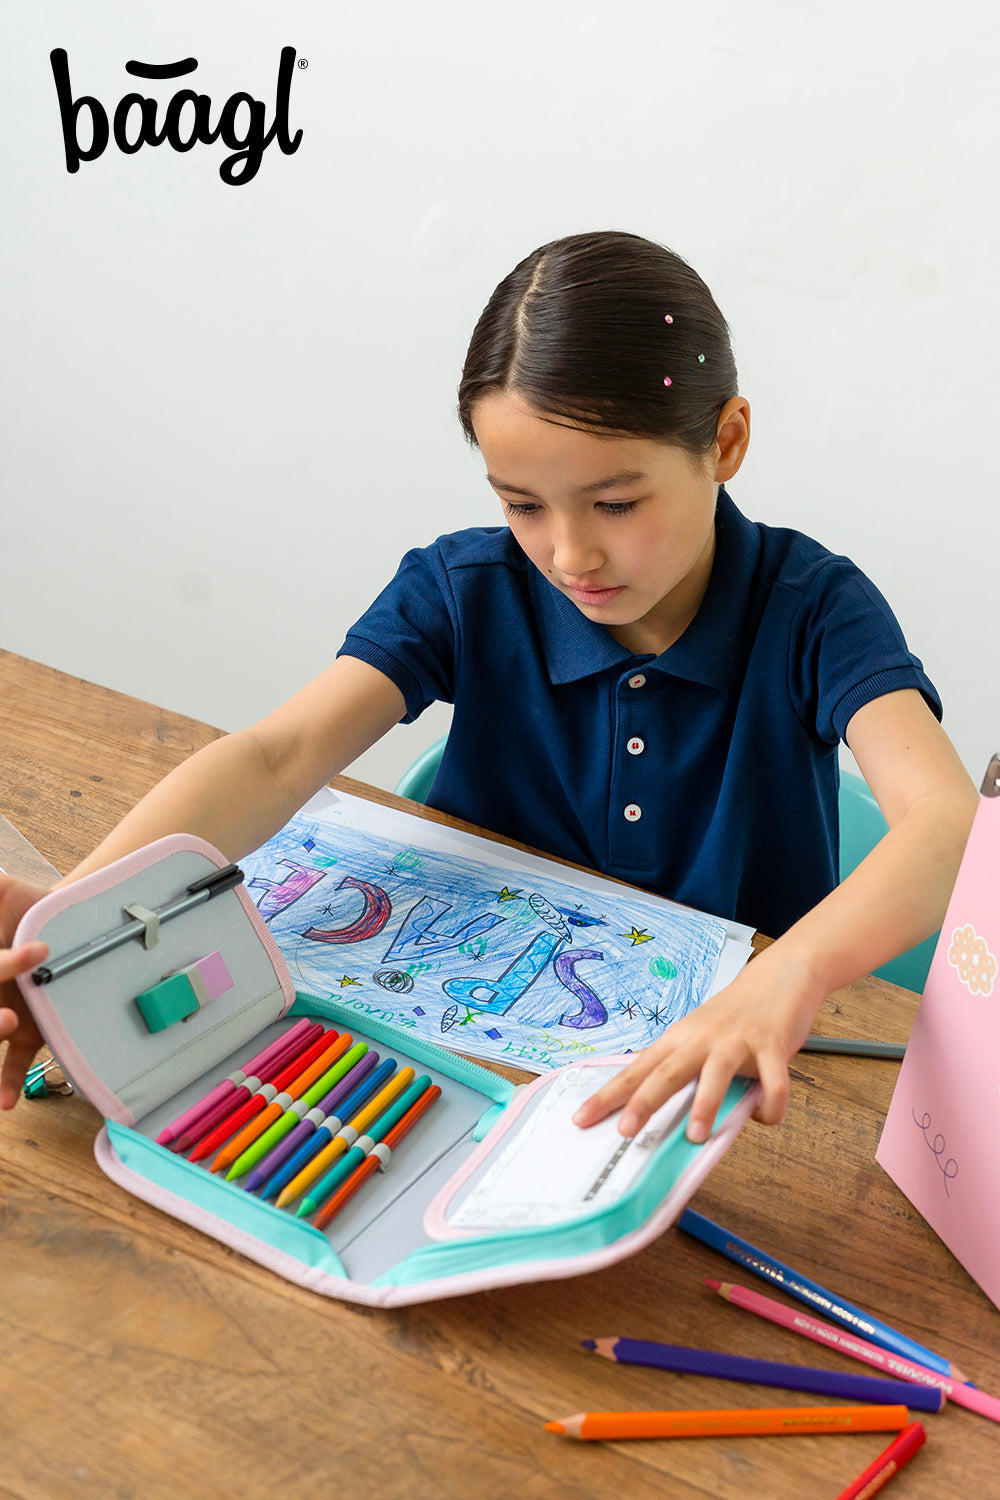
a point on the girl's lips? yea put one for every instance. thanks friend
(592, 596)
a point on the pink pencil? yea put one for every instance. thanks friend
(191, 1116)
(857, 1348)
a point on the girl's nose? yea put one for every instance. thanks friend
(574, 553)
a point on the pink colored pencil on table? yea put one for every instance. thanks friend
(191, 1116)
(850, 1344)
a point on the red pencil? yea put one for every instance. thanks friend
(898, 1453)
(259, 1098)
(227, 1106)
(373, 1161)
(278, 1103)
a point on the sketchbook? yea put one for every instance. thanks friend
(939, 1134)
(476, 946)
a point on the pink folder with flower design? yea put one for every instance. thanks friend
(939, 1143)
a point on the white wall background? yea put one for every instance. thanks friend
(229, 411)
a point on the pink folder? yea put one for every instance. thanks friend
(941, 1135)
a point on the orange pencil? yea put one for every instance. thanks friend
(278, 1105)
(345, 1137)
(373, 1160)
(774, 1421)
(261, 1096)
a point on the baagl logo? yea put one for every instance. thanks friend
(187, 119)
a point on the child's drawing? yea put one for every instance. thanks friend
(525, 972)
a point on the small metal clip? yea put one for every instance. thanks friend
(37, 1086)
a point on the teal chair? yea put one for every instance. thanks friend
(861, 827)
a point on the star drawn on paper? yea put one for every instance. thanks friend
(346, 980)
(628, 1008)
(655, 1016)
(637, 935)
(506, 895)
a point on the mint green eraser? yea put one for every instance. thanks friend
(168, 1002)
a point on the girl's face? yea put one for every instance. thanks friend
(624, 526)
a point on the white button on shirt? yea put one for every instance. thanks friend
(633, 812)
(635, 745)
(638, 681)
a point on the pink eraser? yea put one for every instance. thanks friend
(214, 974)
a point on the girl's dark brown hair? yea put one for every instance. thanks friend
(591, 328)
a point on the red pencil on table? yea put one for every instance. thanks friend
(261, 1097)
(264, 1072)
(373, 1160)
(888, 1464)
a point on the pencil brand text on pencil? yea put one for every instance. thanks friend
(186, 119)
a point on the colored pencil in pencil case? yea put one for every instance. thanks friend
(260, 1098)
(221, 1091)
(380, 1152)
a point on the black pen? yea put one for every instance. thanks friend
(195, 894)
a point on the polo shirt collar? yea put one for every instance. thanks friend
(709, 651)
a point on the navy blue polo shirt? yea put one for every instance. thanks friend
(708, 773)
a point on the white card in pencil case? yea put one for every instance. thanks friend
(552, 1170)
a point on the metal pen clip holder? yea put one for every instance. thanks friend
(37, 1085)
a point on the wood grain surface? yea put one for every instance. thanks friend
(143, 1360)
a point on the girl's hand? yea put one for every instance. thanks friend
(17, 1025)
(752, 1028)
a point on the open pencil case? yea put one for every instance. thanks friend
(149, 1009)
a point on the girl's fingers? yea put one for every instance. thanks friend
(14, 961)
(616, 1092)
(773, 1074)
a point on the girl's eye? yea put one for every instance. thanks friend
(519, 510)
(618, 507)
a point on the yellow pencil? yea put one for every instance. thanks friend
(323, 1159)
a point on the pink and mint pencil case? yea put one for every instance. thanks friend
(163, 980)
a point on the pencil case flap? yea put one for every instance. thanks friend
(127, 1030)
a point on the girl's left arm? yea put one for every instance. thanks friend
(895, 898)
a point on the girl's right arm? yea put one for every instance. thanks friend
(235, 793)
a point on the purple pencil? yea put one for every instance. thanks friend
(284, 1150)
(265, 1072)
(222, 1090)
(768, 1372)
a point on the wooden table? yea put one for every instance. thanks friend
(141, 1359)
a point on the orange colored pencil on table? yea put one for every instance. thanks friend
(280, 1103)
(591, 1426)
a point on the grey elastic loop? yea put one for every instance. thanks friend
(149, 918)
(384, 1154)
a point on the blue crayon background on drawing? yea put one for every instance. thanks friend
(487, 959)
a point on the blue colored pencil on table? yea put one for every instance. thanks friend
(723, 1366)
(285, 1150)
(797, 1285)
(324, 1133)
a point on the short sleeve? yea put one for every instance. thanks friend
(410, 632)
(846, 649)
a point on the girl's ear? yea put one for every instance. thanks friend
(732, 438)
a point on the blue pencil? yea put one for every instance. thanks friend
(797, 1285)
(845, 1383)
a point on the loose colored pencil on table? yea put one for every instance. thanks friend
(346, 1108)
(856, 1347)
(221, 1092)
(286, 1121)
(777, 1421)
(797, 1285)
(345, 1137)
(266, 1072)
(267, 1170)
(766, 1372)
(335, 1047)
(410, 1111)
(260, 1098)
(888, 1464)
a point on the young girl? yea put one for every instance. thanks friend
(643, 680)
